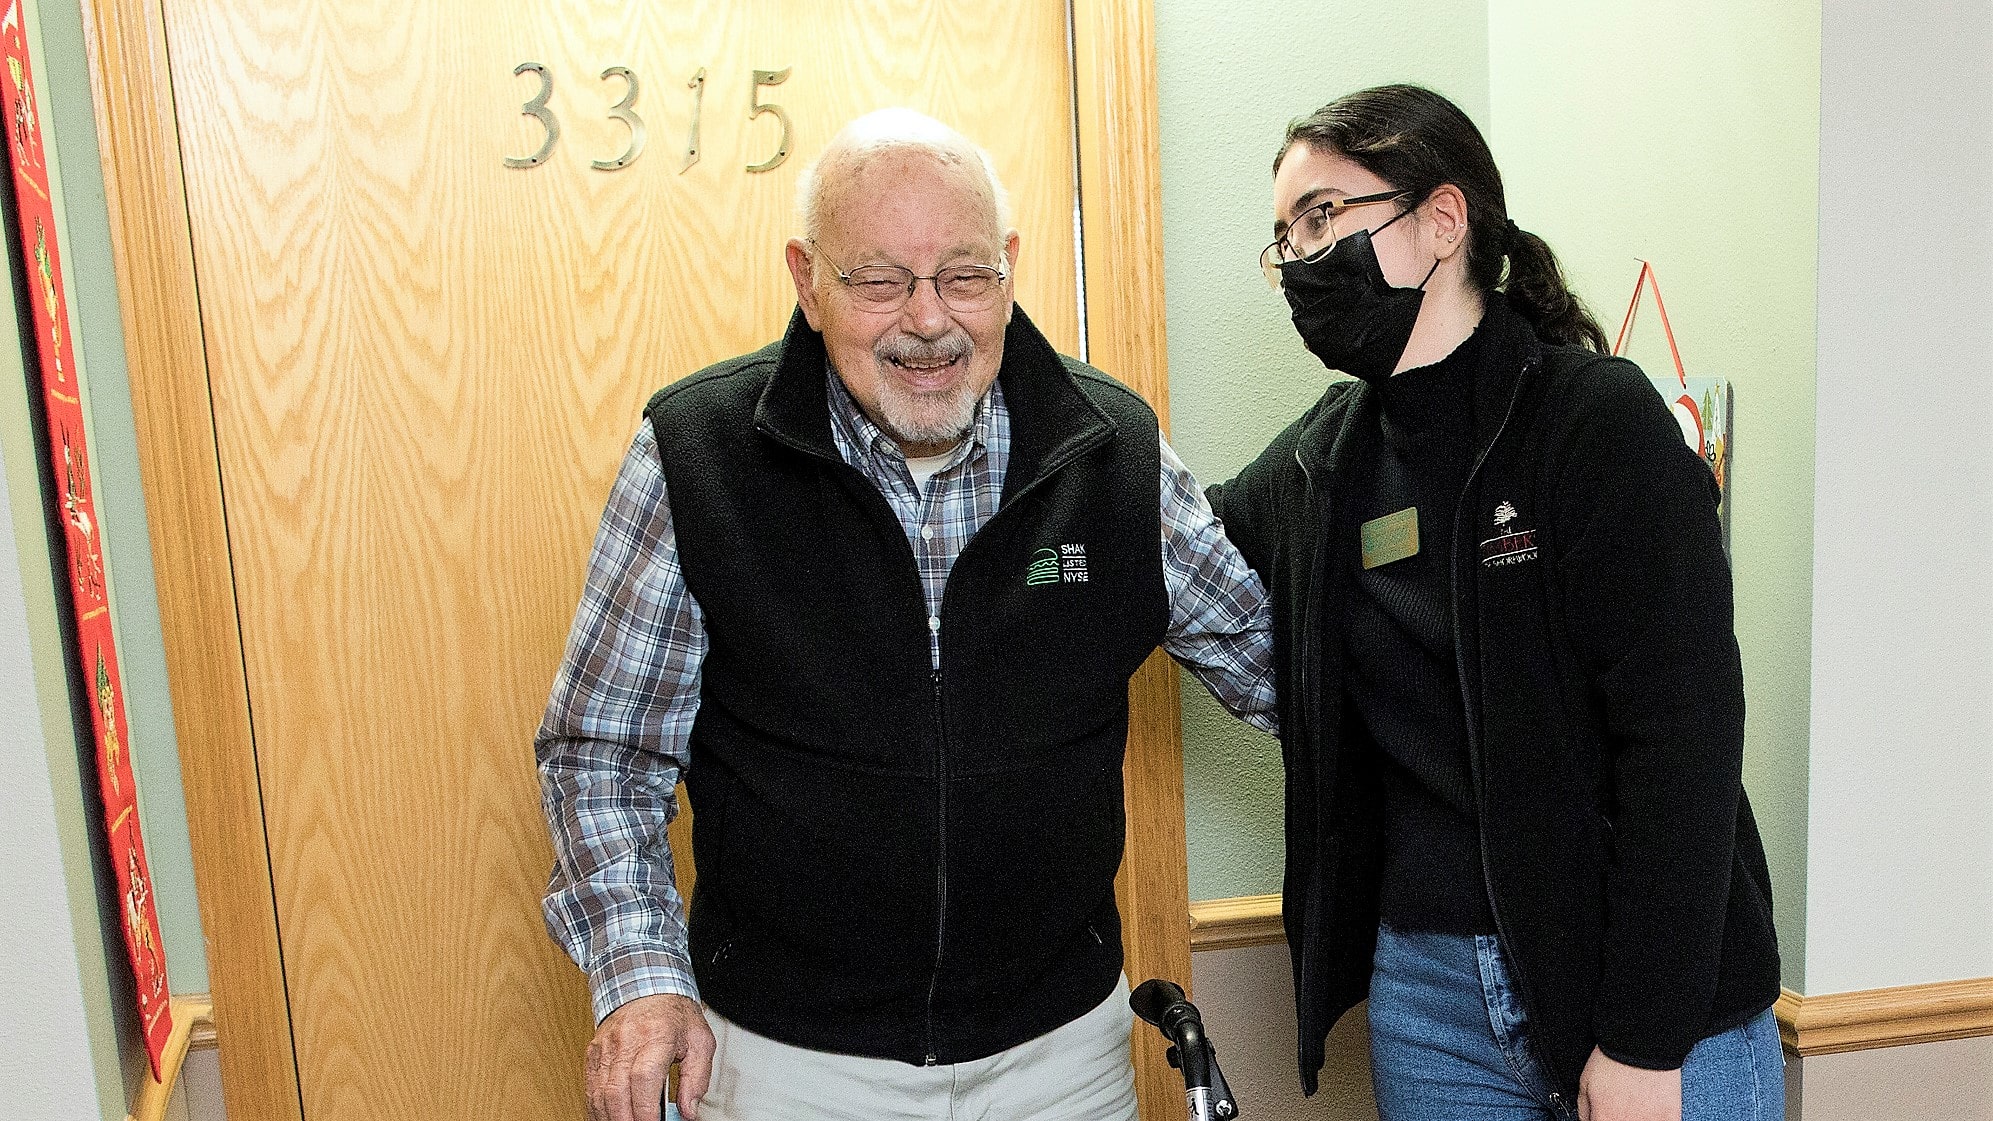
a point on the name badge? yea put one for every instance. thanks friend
(1392, 537)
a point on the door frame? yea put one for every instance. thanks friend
(1119, 182)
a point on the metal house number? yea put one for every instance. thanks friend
(626, 112)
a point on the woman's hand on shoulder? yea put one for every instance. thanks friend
(1610, 1090)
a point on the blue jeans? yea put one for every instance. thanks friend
(1449, 1042)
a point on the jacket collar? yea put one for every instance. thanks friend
(1511, 349)
(1051, 419)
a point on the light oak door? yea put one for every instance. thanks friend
(444, 251)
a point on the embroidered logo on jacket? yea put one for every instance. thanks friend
(1510, 545)
(1064, 565)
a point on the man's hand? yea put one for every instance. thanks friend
(632, 1054)
(1609, 1090)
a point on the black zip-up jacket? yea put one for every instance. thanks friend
(1604, 695)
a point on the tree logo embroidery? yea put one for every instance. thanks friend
(1510, 545)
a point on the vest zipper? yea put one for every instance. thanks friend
(1008, 502)
(940, 860)
(1467, 698)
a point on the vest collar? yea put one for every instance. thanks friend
(1051, 419)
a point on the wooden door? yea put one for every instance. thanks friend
(423, 362)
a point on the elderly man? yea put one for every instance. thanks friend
(883, 626)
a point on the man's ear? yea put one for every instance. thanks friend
(802, 271)
(1010, 267)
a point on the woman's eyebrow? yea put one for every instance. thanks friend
(1308, 199)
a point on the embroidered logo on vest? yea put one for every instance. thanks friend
(1064, 565)
(1509, 545)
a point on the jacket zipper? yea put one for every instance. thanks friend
(940, 860)
(1311, 639)
(1468, 707)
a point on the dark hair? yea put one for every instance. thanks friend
(1414, 139)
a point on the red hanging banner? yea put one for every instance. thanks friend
(51, 354)
(1701, 405)
(1684, 401)
(1633, 309)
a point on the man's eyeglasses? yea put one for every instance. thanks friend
(964, 288)
(1315, 231)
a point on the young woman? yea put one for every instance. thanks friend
(1511, 700)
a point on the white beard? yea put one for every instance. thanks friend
(926, 418)
(942, 418)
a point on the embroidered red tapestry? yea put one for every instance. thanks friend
(51, 355)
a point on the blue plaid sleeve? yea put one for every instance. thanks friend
(1221, 625)
(612, 746)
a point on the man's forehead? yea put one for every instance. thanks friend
(921, 206)
(854, 252)
(902, 173)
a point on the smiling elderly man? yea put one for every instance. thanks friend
(884, 628)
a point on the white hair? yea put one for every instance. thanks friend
(890, 132)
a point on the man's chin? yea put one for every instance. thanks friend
(941, 436)
(929, 426)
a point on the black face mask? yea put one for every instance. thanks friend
(1349, 316)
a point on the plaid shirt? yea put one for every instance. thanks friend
(614, 742)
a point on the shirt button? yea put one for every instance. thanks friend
(934, 624)
(927, 533)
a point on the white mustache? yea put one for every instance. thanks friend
(912, 348)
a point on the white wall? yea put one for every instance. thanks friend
(1900, 883)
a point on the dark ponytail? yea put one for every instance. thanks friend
(1535, 287)
(1416, 140)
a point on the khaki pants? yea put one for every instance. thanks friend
(1079, 1072)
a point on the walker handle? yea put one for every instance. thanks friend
(1162, 1003)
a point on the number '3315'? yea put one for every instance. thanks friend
(626, 112)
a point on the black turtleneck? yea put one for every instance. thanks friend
(1403, 683)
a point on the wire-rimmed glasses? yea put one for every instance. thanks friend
(1313, 233)
(886, 288)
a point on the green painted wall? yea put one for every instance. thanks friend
(1688, 134)
(1229, 78)
(69, 120)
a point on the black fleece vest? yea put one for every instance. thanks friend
(895, 861)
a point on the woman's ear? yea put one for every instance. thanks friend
(1446, 213)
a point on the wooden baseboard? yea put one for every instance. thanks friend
(1829, 1023)
(1823, 1024)
(193, 1014)
(202, 1037)
(1230, 924)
